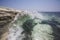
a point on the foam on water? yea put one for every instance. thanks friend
(40, 31)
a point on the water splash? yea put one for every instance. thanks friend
(42, 30)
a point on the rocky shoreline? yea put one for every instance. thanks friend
(26, 25)
(6, 16)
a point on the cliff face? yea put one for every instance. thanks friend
(6, 16)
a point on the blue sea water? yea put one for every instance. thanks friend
(51, 13)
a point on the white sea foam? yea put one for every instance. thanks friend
(40, 31)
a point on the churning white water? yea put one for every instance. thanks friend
(15, 30)
(42, 29)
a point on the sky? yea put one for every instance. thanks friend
(41, 5)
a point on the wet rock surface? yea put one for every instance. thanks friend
(6, 16)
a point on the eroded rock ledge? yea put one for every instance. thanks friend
(6, 16)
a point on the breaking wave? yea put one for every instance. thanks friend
(34, 26)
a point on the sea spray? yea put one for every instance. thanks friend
(33, 26)
(15, 31)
